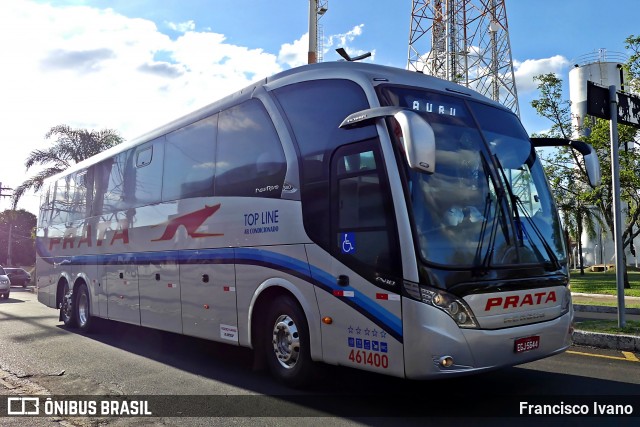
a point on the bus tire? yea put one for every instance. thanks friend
(286, 343)
(82, 308)
(67, 311)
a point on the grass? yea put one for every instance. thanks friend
(603, 283)
(613, 303)
(632, 327)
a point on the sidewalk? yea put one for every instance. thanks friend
(604, 340)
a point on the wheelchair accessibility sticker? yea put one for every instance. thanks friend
(348, 242)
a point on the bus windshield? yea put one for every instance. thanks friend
(488, 202)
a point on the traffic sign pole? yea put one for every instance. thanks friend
(617, 216)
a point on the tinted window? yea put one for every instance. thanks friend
(81, 195)
(60, 202)
(190, 161)
(250, 160)
(110, 185)
(315, 109)
(146, 173)
(45, 206)
(365, 237)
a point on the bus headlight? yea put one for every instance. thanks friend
(450, 304)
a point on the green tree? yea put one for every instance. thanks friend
(567, 174)
(70, 146)
(632, 43)
(22, 224)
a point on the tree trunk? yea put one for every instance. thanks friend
(579, 239)
(627, 285)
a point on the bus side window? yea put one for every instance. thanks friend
(45, 206)
(250, 160)
(315, 109)
(113, 183)
(147, 173)
(60, 202)
(189, 162)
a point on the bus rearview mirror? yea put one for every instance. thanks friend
(418, 138)
(591, 162)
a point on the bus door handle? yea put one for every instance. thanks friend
(121, 275)
(343, 280)
(205, 278)
(157, 276)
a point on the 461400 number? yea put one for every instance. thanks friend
(362, 357)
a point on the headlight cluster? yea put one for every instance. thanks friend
(450, 304)
(4, 281)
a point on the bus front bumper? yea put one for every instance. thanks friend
(436, 347)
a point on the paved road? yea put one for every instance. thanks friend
(37, 354)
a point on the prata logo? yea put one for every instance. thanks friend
(515, 301)
(191, 222)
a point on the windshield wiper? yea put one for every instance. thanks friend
(483, 266)
(555, 262)
(520, 230)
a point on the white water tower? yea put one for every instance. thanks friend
(606, 69)
(601, 67)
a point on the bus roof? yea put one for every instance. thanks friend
(366, 73)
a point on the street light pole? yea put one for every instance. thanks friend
(10, 247)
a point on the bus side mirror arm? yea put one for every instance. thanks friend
(418, 138)
(591, 163)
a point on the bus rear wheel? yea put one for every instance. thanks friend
(67, 311)
(82, 308)
(286, 343)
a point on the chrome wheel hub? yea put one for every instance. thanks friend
(83, 309)
(286, 341)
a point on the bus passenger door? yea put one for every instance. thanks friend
(159, 284)
(363, 295)
(122, 289)
(209, 295)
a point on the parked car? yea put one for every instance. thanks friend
(18, 276)
(5, 284)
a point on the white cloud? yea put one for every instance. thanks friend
(526, 70)
(342, 40)
(95, 68)
(345, 41)
(295, 54)
(182, 27)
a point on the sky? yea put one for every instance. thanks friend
(133, 65)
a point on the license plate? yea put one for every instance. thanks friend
(526, 344)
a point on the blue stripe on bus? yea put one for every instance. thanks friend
(391, 323)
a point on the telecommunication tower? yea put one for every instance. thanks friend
(317, 9)
(467, 42)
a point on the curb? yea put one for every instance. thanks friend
(608, 341)
(602, 340)
(603, 309)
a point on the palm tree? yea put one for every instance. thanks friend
(71, 146)
(580, 216)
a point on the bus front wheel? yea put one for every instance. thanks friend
(287, 343)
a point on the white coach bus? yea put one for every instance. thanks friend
(347, 213)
